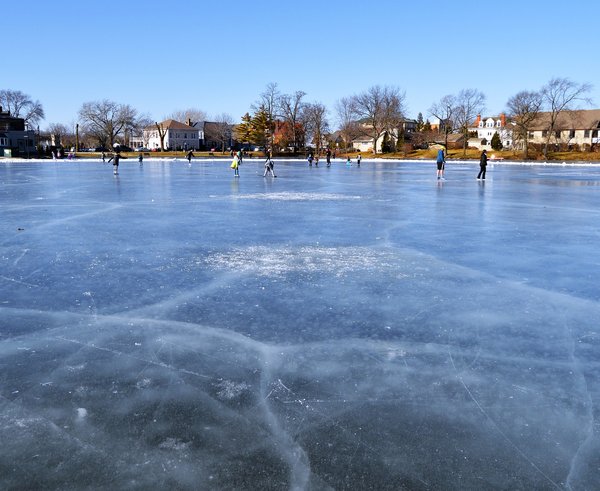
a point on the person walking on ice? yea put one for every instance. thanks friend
(189, 156)
(441, 163)
(482, 165)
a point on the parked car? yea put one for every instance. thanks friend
(141, 149)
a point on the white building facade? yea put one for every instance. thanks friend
(177, 136)
(486, 128)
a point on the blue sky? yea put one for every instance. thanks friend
(161, 56)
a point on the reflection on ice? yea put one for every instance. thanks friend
(299, 338)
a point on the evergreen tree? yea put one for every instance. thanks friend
(496, 142)
(420, 123)
(261, 127)
(243, 131)
(427, 126)
(385, 143)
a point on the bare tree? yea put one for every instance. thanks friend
(162, 132)
(59, 133)
(315, 121)
(444, 110)
(346, 119)
(559, 95)
(469, 103)
(21, 105)
(523, 110)
(107, 120)
(192, 114)
(221, 131)
(269, 103)
(380, 109)
(290, 107)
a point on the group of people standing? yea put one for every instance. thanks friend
(441, 164)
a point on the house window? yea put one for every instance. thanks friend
(595, 134)
(572, 134)
(531, 135)
(3, 142)
(481, 124)
(544, 133)
(498, 123)
(557, 134)
(586, 134)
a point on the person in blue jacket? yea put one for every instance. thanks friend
(441, 163)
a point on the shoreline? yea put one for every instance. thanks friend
(131, 160)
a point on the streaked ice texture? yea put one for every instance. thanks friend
(334, 328)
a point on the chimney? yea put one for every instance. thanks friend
(189, 122)
(478, 120)
(502, 120)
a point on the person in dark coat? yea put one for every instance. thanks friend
(482, 165)
(189, 156)
(115, 160)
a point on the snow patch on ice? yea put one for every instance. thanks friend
(279, 261)
(297, 196)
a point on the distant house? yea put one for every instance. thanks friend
(15, 139)
(486, 128)
(573, 128)
(364, 142)
(177, 136)
(455, 140)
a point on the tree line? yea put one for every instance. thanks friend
(290, 122)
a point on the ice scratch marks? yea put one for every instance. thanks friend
(25, 251)
(495, 425)
(138, 358)
(582, 454)
(13, 280)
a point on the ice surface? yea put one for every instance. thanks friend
(334, 328)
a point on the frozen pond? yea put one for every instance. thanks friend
(173, 327)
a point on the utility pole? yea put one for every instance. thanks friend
(77, 138)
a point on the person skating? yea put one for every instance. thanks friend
(235, 166)
(269, 167)
(328, 155)
(189, 156)
(482, 165)
(310, 159)
(358, 159)
(441, 164)
(115, 160)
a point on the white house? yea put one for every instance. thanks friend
(177, 136)
(486, 128)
